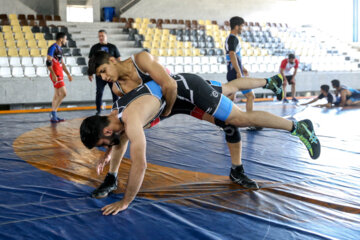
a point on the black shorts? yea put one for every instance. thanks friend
(199, 95)
(289, 79)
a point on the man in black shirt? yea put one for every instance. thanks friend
(103, 45)
(324, 93)
(233, 58)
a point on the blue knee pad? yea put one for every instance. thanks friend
(224, 108)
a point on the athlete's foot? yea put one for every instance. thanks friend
(275, 84)
(60, 119)
(97, 113)
(295, 100)
(285, 100)
(109, 185)
(305, 131)
(54, 120)
(238, 176)
(254, 128)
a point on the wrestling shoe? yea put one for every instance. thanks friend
(53, 119)
(109, 185)
(305, 131)
(285, 100)
(238, 176)
(275, 84)
(60, 119)
(295, 100)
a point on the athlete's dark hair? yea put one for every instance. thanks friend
(99, 58)
(103, 31)
(291, 56)
(91, 130)
(325, 87)
(335, 83)
(60, 35)
(236, 21)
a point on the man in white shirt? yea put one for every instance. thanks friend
(288, 70)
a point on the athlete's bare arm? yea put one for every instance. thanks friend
(168, 85)
(135, 117)
(51, 70)
(343, 98)
(66, 71)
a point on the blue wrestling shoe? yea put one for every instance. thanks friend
(60, 119)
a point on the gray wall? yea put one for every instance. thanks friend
(45, 7)
(112, 3)
(15, 6)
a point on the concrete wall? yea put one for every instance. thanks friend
(112, 3)
(40, 90)
(16, 6)
(45, 7)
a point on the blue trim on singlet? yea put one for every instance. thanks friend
(355, 95)
(224, 109)
(215, 83)
(154, 88)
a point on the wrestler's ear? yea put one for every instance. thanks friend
(107, 131)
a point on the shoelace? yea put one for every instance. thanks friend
(312, 137)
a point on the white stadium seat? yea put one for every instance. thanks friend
(29, 72)
(223, 68)
(4, 62)
(179, 69)
(188, 60)
(205, 68)
(162, 60)
(26, 61)
(188, 68)
(38, 61)
(76, 71)
(179, 60)
(170, 61)
(170, 68)
(42, 72)
(71, 61)
(214, 68)
(196, 60)
(17, 72)
(205, 60)
(15, 61)
(196, 68)
(5, 72)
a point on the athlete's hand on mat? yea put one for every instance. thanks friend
(238, 75)
(90, 78)
(115, 208)
(69, 77)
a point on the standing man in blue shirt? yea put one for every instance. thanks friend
(103, 45)
(233, 58)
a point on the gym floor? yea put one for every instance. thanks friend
(47, 175)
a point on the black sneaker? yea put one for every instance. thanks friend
(238, 176)
(305, 131)
(275, 84)
(109, 185)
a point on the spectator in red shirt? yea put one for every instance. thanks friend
(288, 70)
